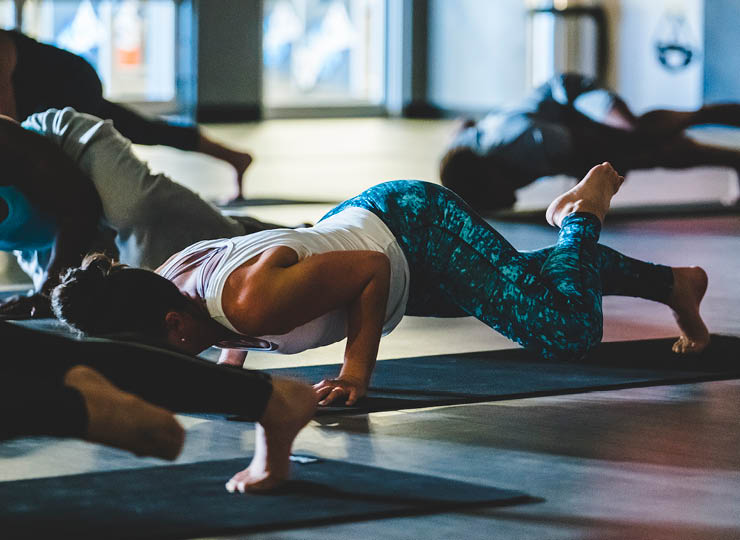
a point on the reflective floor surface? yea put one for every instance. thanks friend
(653, 463)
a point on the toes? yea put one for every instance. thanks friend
(685, 345)
(238, 482)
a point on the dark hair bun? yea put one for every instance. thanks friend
(99, 262)
(105, 298)
(81, 298)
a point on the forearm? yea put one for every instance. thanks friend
(365, 326)
(232, 357)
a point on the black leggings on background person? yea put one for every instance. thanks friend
(120, 394)
(35, 77)
(34, 400)
(564, 127)
(46, 77)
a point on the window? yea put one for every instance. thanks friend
(7, 14)
(131, 43)
(323, 53)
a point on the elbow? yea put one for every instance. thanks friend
(381, 265)
(383, 273)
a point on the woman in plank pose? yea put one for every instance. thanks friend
(398, 248)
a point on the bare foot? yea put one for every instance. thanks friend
(237, 159)
(125, 421)
(291, 405)
(689, 286)
(265, 471)
(240, 161)
(593, 194)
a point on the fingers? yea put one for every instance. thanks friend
(329, 391)
(335, 393)
(352, 397)
(322, 389)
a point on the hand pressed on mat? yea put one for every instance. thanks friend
(330, 390)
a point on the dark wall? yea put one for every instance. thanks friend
(722, 50)
(229, 59)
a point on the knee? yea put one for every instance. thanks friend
(575, 339)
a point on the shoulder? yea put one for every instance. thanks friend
(248, 291)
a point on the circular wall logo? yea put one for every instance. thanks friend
(674, 43)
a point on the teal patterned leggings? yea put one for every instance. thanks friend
(547, 300)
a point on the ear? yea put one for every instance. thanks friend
(176, 329)
(174, 323)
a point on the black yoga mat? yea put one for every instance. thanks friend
(451, 379)
(508, 374)
(184, 501)
(625, 213)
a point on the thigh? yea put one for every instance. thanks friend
(39, 353)
(172, 380)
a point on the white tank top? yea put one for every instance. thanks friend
(352, 229)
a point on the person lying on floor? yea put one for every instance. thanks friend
(35, 77)
(564, 127)
(401, 247)
(72, 184)
(93, 390)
